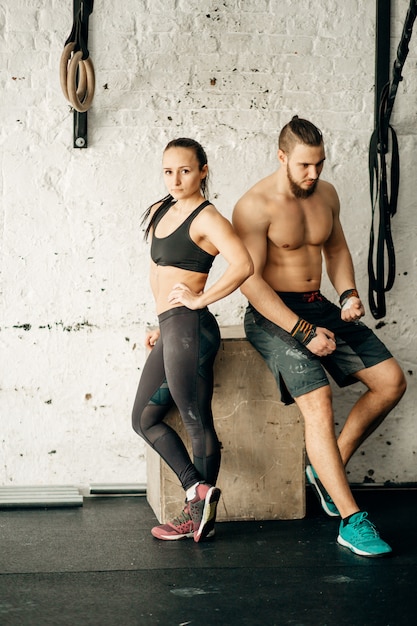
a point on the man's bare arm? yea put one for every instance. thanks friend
(340, 268)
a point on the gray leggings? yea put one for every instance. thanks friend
(179, 370)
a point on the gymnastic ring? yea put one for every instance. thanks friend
(63, 67)
(63, 73)
(81, 82)
(74, 99)
(74, 96)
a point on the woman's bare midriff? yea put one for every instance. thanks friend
(164, 279)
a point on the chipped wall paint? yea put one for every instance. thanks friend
(75, 300)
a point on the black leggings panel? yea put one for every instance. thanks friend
(179, 370)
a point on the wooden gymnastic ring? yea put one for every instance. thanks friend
(72, 82)
(63, 67)
(81, 82)
(63, 73)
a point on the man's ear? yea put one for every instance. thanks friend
(282, 157)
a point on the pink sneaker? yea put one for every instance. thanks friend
(202, 510)
(180, 528)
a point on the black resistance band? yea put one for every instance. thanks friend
(384, 193)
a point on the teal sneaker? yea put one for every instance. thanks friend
(361, 536)
(326, 502)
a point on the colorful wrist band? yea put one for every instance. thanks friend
(303, 331)
(349, 293)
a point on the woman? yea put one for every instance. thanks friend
(187, 234)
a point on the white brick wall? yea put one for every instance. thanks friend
(75, 300)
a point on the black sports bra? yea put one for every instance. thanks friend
(178, 249)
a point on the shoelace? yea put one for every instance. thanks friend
(365, 527)
(182, 518)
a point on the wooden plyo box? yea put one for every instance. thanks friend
(262, 469)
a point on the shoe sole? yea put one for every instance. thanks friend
(360, 552)
(179, 537)
(208, 518)
(172, 537)
(313, 482)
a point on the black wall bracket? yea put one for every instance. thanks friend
(80, 129)
(82, 10)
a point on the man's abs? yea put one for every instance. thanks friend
(294, 270)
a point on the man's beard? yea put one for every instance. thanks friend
(298, 191)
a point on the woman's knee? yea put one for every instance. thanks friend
(137, 421)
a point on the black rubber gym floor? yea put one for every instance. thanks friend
(99, 565)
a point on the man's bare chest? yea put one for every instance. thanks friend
(301, 227)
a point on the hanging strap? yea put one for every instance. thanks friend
(384, 197)
(76, 70)
(79, 31)
(383, 188)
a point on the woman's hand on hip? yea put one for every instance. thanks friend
(181, 294)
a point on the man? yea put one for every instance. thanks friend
(289, 222)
